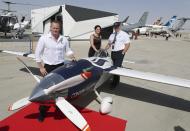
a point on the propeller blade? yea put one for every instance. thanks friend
(72, 114)
(19, 104)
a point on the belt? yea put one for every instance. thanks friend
(118, 51)
(55, 65)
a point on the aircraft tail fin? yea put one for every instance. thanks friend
(143, 19)
(179, 24)
(171, 21)
(125, 20)
(183, 18)
(158, 21)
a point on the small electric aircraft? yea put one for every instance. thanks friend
(85, 75)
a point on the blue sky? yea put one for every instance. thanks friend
(133, 8)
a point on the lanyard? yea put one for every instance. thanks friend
(114, 40)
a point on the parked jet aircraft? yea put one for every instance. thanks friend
(140, 23)
(84, 75)
(157, 28)
(179, 24)
(124, 22)
(161, 29)
(171, 27)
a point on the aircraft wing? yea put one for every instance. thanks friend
(25, 55)
(151, 77)
(19, 53)
(72, 114)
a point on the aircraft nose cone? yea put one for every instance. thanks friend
(37, 96)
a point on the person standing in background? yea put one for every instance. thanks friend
(119, 42)
(95, 41)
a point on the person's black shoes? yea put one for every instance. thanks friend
(42, 112)
(113, 86)
(41, 118)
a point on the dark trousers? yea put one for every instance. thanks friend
(43, 109)
(117, 58)
(50, 68)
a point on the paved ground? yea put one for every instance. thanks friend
(147, 106)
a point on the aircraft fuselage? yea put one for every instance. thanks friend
(66, 73)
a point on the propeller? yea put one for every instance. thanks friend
(72, 114)
(9, 2)
(19, 104)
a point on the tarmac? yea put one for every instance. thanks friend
(147, 106)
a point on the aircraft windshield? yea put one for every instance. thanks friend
(50, 80)
(13, 20)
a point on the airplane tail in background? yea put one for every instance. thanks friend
(178, 25)
(158, 21)
(171, 21)
(125, 20)
(139, 24)
(143, 19)
(185, 19)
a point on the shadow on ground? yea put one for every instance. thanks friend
(145, 95)
(4, 128)
(34, 70)
(178, 128)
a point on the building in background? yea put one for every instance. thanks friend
(78, 22)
